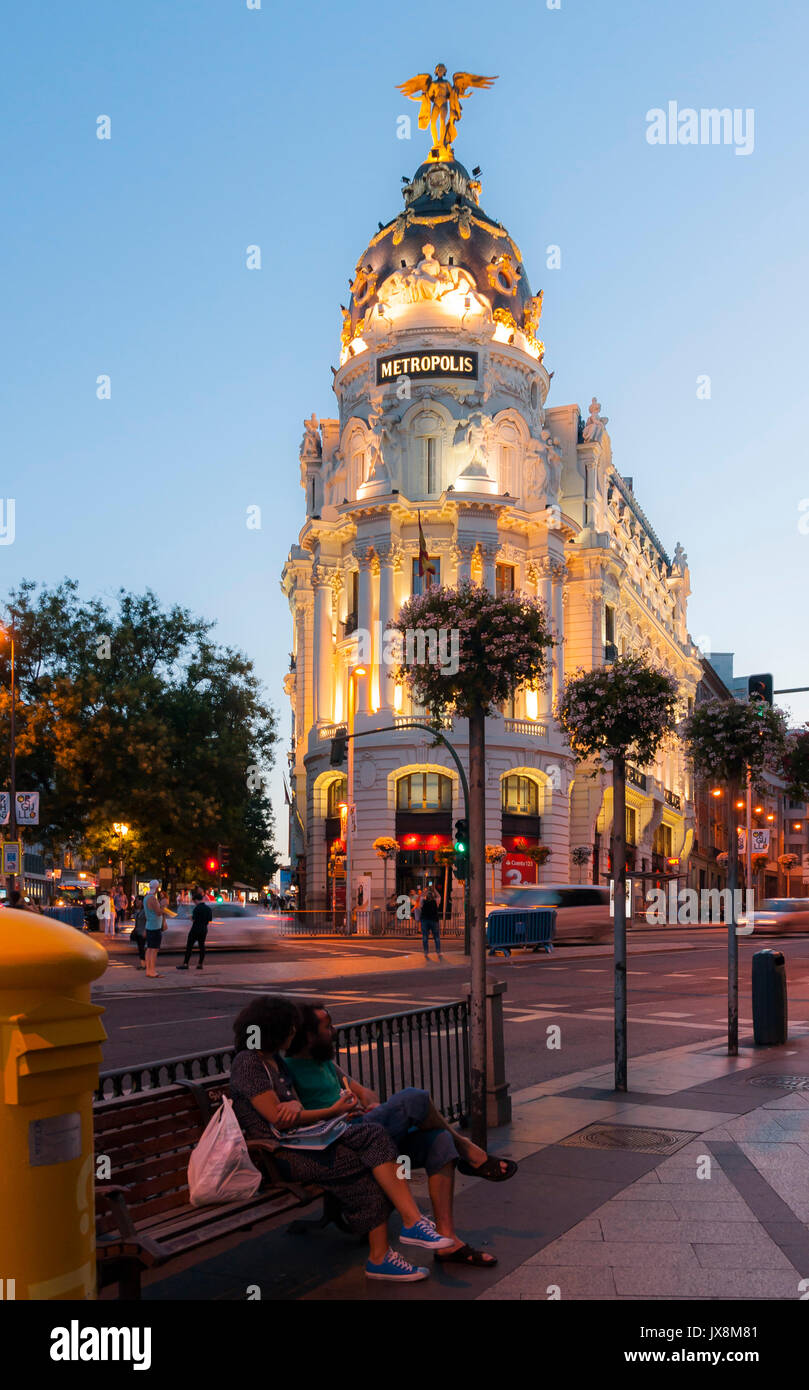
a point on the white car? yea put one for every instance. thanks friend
(234, 927)
(780, 916)
(582, 909)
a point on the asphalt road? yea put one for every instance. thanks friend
(676, 995)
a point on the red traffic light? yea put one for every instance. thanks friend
(211, 865)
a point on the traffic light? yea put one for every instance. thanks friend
(461, 848)
(339, 750)
(759, 690)
(211, 865)
(224, 860)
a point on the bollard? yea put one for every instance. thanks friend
(50, 1051)
(769, 998)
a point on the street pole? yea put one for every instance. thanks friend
(477, 922)
(12, 880)
(618, 851)
(733, 940)
(748, 849)
(350, 797)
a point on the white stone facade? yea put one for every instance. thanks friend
(510, 491)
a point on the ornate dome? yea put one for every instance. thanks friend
(442, 212)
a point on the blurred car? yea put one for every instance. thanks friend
(780, 916)
(234, 927)
(582, 909)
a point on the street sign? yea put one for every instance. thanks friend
(12, 857)
(628, 897)
(27, 808)
(5, 808)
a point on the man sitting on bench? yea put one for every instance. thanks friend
(410, 1117)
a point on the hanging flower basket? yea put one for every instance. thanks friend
(386, 847)
(539, 854)
(787, 861)
(581, 854)
(722, 859)
(494, 853)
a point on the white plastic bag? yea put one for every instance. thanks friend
(220, 1169)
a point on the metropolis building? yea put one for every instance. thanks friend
(442, 413)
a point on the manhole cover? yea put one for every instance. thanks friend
(784, 1083)
(635, 1138)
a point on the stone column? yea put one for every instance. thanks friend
(464, 550)
(387, 612)
(322, 646)
(558, 574)
(489, 553)
(365, 614)
(545, 592)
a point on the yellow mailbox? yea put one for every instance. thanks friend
(50, 1051)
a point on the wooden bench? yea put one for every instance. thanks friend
(143, 1214)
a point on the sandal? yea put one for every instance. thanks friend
(465, 1255)
(492, 1169)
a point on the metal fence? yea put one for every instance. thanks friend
(71, 916)
(427, 1048)
(375, 922)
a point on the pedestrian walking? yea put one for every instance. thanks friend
(119, 903)
(429, 923)
(138, 933)
(155, 926)
(106, 913)
(200, 921)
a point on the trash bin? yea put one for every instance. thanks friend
(769, 998)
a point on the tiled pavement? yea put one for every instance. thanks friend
(723, 1217)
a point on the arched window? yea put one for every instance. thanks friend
(337, 793)
(520, 796)
(424, 791)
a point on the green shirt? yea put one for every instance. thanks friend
(317, 1083)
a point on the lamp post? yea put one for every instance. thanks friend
(121, 830)
(357, 673)
(11, 878)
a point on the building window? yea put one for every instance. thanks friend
(520, 796)
(337, 792)
(661, 842)
(419, 582)
(424, 791)
(504, 579)
(431, 460)
(631, 822)
(507, 469)
(609, 624)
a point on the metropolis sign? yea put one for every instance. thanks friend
(426, 366)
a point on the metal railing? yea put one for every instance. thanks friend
(530, 728)
(332, 922)
(426, 1048)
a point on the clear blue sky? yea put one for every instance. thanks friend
(233, 127)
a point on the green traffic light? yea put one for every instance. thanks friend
(459, 847)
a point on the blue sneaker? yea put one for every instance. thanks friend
(425, 1235)
(396, 1268)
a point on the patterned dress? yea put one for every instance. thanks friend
(344, 1168)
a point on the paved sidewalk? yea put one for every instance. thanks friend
(721, 1213)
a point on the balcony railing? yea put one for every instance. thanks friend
(672, 799)
(638, 779)
(426, 1048)
(409, 721)
(526, 728)
(332, 730)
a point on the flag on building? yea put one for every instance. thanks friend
(426, 566)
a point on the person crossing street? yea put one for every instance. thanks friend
(200, 920)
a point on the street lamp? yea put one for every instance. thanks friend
(10, 884)
(357, 674)
(121, 830)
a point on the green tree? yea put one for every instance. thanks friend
(128, 712)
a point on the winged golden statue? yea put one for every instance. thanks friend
(441, 103)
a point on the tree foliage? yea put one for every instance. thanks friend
(725, 737)
(502, 645)
(127, 712)
(628, 708)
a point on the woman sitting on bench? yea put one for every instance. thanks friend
(359, 1167)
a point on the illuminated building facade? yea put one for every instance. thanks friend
(441, 413)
